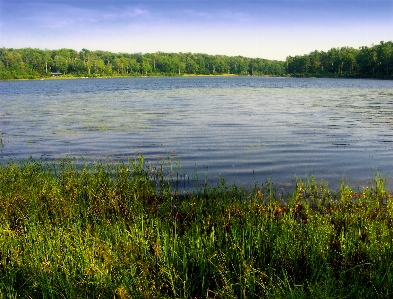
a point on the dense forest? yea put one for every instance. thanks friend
(366, 62)
(35, 63)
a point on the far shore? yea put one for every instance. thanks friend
(70, 77)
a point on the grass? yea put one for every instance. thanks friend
(121, 230)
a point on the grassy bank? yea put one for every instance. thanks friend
(121, 231)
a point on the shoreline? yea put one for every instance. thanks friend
(66, 77)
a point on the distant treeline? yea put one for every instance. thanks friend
(365, 62)
(28, 63)
(35, 63)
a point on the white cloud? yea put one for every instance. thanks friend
(57, 16)
(117, 15)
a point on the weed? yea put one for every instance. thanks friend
(123, 230)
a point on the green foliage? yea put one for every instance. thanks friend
(367, 62)
(122, 231)
(35, 63)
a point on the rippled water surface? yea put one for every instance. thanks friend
(242, 128)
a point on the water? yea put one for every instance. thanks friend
(241, 128)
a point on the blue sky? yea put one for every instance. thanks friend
(265, 29)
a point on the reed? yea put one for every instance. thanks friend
(122, 230)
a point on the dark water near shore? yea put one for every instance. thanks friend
(243, 128)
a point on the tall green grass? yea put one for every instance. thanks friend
(121, 230)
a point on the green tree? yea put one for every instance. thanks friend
(239, 65)
(133, 66)
(385, 58)
(191, 66)
(367, 60)
(85, 57)
(146, 66)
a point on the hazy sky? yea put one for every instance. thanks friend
(268, 29)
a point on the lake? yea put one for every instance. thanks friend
(244, 129)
